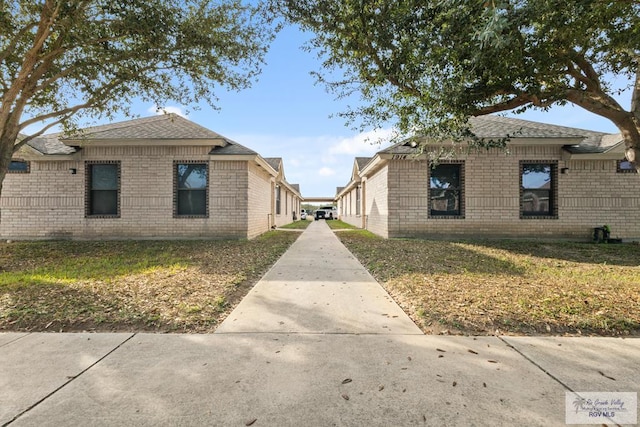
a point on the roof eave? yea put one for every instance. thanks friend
(346, 189)
(378, 161)
(260, 161)
(551, 140)
(615, 152)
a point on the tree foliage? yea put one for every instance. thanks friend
(60, 60)
(428, 65)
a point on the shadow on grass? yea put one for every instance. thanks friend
(390, 258)
(130, 285)
(514, 286)
(627, 254)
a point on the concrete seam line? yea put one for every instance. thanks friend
(317, 333)
(535, 364)
(70, 379)
(16, 339)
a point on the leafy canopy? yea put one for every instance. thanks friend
(59, 59)
(427, 65)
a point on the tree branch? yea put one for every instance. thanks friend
(47, 18)
(94, 100)
(390, 77)
(635, 96)
(33, 136)
(579, 77)
(590, 76)
(595, 104)
(513, 103)
(12, 44)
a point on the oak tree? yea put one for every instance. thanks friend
(428, 65)
(65, 59)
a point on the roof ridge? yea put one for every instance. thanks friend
(537, 125)
(122, 124)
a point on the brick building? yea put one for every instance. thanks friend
(156, 177)
(551, 181)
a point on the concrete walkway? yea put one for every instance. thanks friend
(317, 342)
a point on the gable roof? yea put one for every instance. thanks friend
(165, 126)
(274, 162)
(361, 162)
(491, 126)
(498, 127)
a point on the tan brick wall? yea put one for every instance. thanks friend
(348, 210)
(590, 195)
(260, 195)
(377, 203)
(287, 200)
(49, 201)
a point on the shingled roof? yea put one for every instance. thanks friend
(362, 161)
(161, 127)
(232, 148)
(165, 126)
(50, 144)
(274, 162)
(500, 127)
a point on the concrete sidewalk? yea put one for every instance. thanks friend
(317, 342)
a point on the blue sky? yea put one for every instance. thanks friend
(284, 114)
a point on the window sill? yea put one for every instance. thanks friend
(538, 216)
(446, 217)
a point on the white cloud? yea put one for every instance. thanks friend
(366, 143)
(325, 171)
(166, 110)
(295, 162)
(319, 163)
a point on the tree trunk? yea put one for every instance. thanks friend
(631, 134)
(8, 137)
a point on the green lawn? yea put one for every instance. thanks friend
(335, 224)
(469, 287)
(297, 225)
(514, 287)
(130, 285)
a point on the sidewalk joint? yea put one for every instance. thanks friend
(69, 380)
(534, 363)
(26, 334)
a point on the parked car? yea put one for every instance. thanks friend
(320, 214)
(330, 212)
(303, 214)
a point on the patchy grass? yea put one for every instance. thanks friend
(297, 225)
(513, 287)
(336, 224)
(164, 286)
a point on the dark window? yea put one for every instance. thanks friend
(445, 190)
(538, 190)
(18, 166)
(103, 189)
(357, 200)
(277, 200)
(625, 166)
(191, 189)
